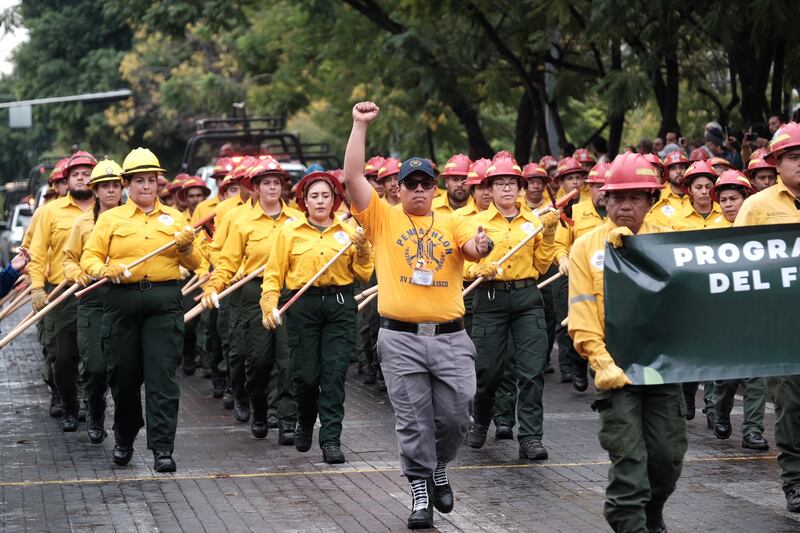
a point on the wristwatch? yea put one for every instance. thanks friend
(489, 247)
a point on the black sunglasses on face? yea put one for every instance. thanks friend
(427, 184)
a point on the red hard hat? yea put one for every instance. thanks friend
(598, 173)
(732, 178)
(699, 169)
(503, 166)
(264, 165)
(675, 158)
(548, 161)
(373, 166)
(305, 183)
(699, 154)
(229, 180)
(569, 165)
(177, 182)
(655, 160)
(58, 171)
(787, 136)
(582, 155)
(458, 165)
(758, 161)
(534, 170)
(222, 167)
(477, 171)
(631, 171)
(390, 167)
(79, 158)
(191, 182)
(720, 161)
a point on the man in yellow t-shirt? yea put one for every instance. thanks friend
(426, 356)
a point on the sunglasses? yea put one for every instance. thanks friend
(427, 184)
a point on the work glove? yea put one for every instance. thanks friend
(184, 240)
(563, 265)
(549, 221)
(269, 302)
(238, 276)
(363, 252)
(185, 273)
(83, 279)
(210, 298)
(607, 374)
(615, 235)
(116, 272)
(38, 299)
(485, 270)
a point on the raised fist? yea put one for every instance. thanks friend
(365, 112)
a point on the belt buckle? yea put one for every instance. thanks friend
(426, 329)
(145, 285)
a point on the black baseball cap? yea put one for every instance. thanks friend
(415, 164)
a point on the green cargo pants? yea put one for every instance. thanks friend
(549, 309)
(498, 312)
(213, 345)
(264, 350)
(787, 427)
(322, 329)
(143, 339)
(755, 399)
(61, 333)
(236, 354)
(47, 366)
(505, 399)
(568, 358)
(643, 429)
(94, 365)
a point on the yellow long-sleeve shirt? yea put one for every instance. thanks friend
(585, 218)
(688, 219)
(47, 244)
(73, 249)
(211, 248)
(532, 260)
(586, 324)
(300, 250)
(441, 204)
(666, 206)
(773, 205)
(249, 243)
(126, 233)
(467, 212)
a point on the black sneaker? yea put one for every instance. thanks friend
(302, 438)
(421, 516)
(163, 461)
(332, 455)
(442, 491)
(476, 436)
(532, 449)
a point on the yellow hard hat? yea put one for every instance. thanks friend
(105, 170)
(140, 160)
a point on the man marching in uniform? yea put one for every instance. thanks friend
(779, 204)
(643, 428)
(426, 356)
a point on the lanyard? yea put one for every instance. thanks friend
(420, 249)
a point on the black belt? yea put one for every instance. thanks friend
(426, 329)
(327, 291)
(145, 285)
(512, 285)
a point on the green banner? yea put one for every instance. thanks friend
(705, 305)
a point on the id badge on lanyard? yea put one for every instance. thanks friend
(422, 276)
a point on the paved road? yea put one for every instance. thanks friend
(229, 481)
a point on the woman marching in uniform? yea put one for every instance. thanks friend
(247, 247)
(106, 183)
(322, 322)
(142, 331)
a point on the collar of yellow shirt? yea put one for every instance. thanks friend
(687, 211)
(443, 202)
(130, 208)
(492, 213)
(286, 212)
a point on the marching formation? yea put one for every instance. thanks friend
(451, 299)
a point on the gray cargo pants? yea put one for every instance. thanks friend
(431, 384)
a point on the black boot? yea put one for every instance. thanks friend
(286, 434)
(258, 427)
(95, 426)
(332, 455)
(580, 379)
(228, 401)
(123, 452)
(303, 437)
(188, 364)
(476, 436)
(690, 406)
(217, 386)
(163, 461)
(503, 431)
(421, 516)
(442, 491)
(70, 421)
(273, 421)
(56, 409)
(82, 412)
(755, 441)
(793, 498)
(241, 411)
(532, 449)
(722, 428)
